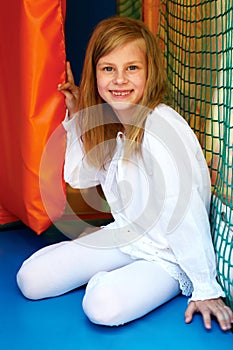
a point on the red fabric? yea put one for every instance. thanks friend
(32, 52)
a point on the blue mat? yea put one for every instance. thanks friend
(60, 323)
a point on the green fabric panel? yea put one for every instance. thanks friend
(130, 8)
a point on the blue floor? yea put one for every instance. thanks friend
(59, 323)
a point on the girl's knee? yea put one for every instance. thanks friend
(102, 305)
(35, 280)
(37, 277)
(27, 283)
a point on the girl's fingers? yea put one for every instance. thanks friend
(189, 312)
(68, 87)
(224, 316)
(215, 307)
(64, 86)
(70, 91)
(206, 315)
(69, 74)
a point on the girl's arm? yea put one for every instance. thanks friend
(77, 173)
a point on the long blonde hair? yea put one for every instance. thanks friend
(100, 124)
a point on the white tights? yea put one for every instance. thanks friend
(119, 289)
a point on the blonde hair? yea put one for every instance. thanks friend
(103, 126)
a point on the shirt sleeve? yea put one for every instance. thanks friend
(77, 172)
(192, 246)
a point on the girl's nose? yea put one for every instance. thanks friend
(120, 77)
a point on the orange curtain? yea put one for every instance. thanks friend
(151, 14)
(32, 52)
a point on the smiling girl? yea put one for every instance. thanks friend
(122, 136)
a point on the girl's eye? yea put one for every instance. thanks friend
(108, 69)
(132, 67)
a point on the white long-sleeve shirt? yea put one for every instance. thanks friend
(159, 200)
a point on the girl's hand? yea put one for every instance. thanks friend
(70, 91)
(215, 307)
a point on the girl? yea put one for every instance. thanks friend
(155, 179)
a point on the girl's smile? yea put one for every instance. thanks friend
(121, 93)
(121, 76)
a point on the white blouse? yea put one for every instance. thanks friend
(159, 200)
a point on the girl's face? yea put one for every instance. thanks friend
(121, 75)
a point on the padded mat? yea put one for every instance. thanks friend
(59, 323)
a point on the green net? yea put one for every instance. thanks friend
(197, 40)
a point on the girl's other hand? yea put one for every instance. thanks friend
(215, 307)
(70, 91)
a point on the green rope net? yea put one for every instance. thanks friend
(196, 37)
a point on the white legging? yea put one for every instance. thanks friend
(119, 289)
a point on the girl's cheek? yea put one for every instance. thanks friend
(101, 92)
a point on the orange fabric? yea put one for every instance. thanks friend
(33, 59)
(151, 14)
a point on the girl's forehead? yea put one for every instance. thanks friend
(127, 45)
